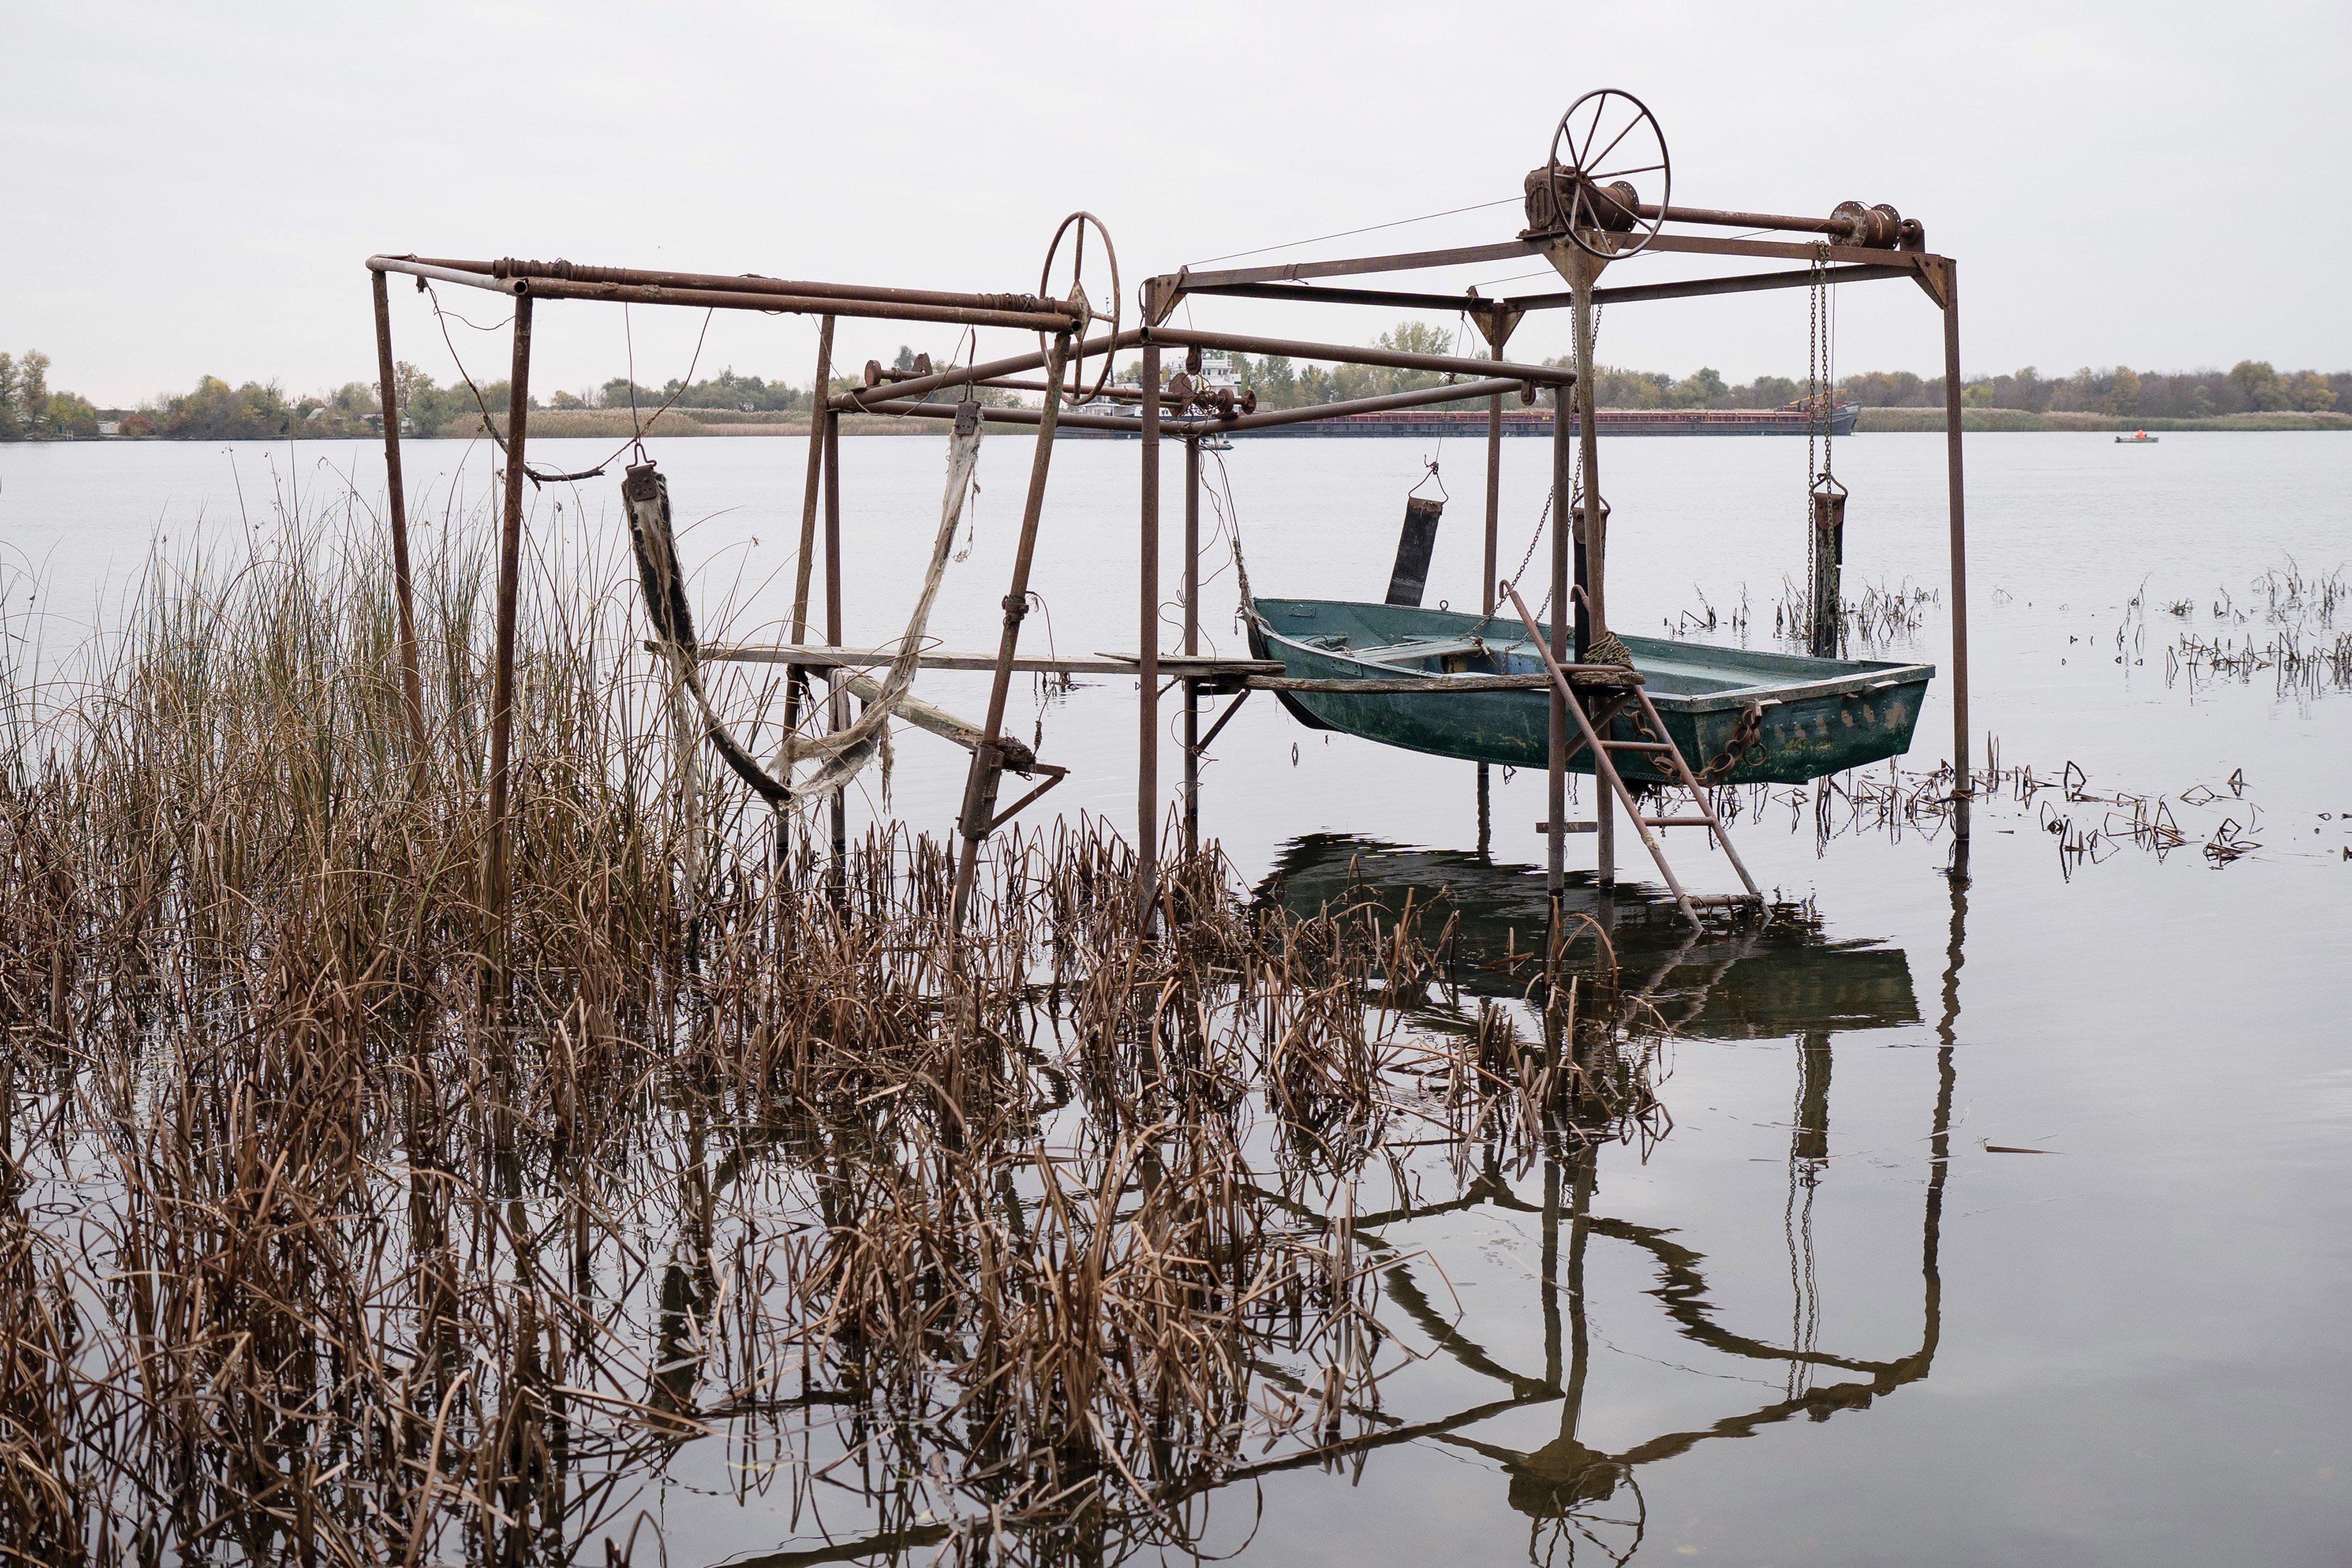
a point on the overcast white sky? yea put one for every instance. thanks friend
(192, 189)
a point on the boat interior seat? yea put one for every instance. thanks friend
(1415, 648)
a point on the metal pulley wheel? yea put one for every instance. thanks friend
(1606, 138)
(1075, 280)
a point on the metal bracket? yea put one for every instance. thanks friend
(1223, 719)
(1052, 775)
(1929, 274)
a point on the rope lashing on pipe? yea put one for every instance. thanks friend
(645, 495)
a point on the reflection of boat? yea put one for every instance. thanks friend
(1779, 977)
(1784, 717)
(2137, 438)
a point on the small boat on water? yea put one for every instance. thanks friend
(1757, 718)
(2137, 438)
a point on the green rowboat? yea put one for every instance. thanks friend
(1780, 718)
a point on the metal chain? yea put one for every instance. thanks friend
(1745, 738)
(1576, 473)
(1816, 411)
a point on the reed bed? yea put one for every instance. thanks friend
(322, 1240)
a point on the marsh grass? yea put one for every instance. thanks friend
(322, 1243)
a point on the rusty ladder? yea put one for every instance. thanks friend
(1604, 769)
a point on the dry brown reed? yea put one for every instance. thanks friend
(322, 1241)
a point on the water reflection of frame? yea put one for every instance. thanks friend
(1781, 980)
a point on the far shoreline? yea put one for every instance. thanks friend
(677, 423)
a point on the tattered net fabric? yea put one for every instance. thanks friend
(840, 754)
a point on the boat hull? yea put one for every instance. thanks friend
(1782, 718)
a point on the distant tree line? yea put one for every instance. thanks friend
(2251, 386)
(30, 410)
(214, 411)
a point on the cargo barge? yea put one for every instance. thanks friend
(1538, 422)
(1472, 423)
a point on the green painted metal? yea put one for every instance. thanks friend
(1811, 716)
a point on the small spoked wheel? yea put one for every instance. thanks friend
(1605, 140)
(1101, 297)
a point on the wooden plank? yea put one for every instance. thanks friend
(817, 658)
(937, 720)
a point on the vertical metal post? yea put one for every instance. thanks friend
(1191, 643)
(1147, 740)
(1593, 535)
(509, 582)
(1548, 1272)
(1494, 491)
(1963, 787)
(1556, 815)
(411, 684)
(821, 397)
(987, 759)
(1498, 331)
(834, 679)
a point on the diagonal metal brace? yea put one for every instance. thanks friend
(1052, 775)
(1224, 718)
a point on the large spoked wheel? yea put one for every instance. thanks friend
(1605, 140)
(1090, 287)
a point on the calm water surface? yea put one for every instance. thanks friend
(1786, 1332)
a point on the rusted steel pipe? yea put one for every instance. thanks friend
(1963, 784)
(412, 685)
(1497, 329)
(1174, 286)
(1210, 426)
(1125, 423)
(1336, 353)
(751, 283)
(1755, 282)
(1592, 534)
(1457, 392)
(1050, 318)
(864, 400)
(796, 678)
(1147, 695)
(1493, 484)
(1556, 757)
(1191, 643)
(839, 713)
(1387, 298)
(509, 275)
(502, 674)
(987, 759)
(802, 304)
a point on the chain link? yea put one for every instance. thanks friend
(1743, 739)
(1576, 473)
(1817, 394)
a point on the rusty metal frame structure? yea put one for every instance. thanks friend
(1160, 411)
(1855, 245)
